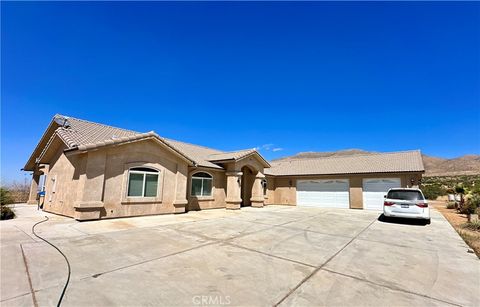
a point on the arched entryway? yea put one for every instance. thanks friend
(248, 179)
(244, 180)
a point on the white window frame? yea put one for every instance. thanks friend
(153, 172)
(203, 178)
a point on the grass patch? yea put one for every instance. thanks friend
(472, 240)
(461, 226)
(474, 225)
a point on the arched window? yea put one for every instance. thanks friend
(201, 184)
(142, 182)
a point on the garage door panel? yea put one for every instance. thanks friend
(323, 193)
(375, 189)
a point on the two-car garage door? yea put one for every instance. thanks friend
(333, 193)
(374, 191)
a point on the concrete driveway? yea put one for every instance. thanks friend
(252, 257)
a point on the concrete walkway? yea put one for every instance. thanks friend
(275, 255)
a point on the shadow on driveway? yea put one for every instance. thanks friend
(398, 220)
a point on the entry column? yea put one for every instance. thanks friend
(234, 184)
(257, 191)
(32, 197)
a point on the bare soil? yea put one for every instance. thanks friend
(457, 220)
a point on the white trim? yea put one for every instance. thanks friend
(144, 173)
(192, 176)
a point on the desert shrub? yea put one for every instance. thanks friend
(6, 213)
(459, 189)
(451, 205)
(432, 191)
(5, 197)
(473, 225)
(470, 205)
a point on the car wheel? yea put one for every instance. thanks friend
(427, 222)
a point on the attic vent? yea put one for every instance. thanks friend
(62, 120)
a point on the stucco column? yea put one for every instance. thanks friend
(32, 197)
(181, 176)
(258, 199)
(90, 204)
(234, 185)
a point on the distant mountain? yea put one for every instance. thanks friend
(434, 166)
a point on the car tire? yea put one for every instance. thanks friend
(427, 222)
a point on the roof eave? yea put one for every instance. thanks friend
(126, 140)
(344, 174)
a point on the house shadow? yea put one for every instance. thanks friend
(403, 221)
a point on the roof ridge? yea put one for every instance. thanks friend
(95, 123)
(168, 139)
(347, 156)
(226, 152)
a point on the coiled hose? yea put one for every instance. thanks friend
(68, 263)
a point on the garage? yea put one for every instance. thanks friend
(375, 189)
(332, 193)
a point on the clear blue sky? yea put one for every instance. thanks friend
(301, 76)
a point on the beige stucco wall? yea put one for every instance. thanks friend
(217, 200)
(172, 176)
(285, 191)
(94, 184)
(64, 174)
(270, 195)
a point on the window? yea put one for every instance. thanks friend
(201, 184)
(142, 182)
(405, 195)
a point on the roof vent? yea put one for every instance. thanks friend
(61, 120)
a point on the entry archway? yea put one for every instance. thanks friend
(248, 179)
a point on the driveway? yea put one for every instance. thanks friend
(252, 257)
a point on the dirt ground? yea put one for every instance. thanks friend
(471, 237)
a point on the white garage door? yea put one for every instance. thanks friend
(332, 193)
(375, 189)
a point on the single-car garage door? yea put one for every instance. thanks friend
(332, 193)
(375, 189)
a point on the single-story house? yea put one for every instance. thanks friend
(94, 171)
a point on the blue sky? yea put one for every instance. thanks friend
(313, 76)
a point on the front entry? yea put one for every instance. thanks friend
(248, 179)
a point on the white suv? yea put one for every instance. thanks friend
(406, 203)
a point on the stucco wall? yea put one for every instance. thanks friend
(64, 173)
(217, 200)
(285, 192)
(172, 174)
(101, 176)
(270, 196)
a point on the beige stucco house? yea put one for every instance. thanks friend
(94, 171)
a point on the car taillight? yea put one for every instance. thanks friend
(422, 205)
(388, 203)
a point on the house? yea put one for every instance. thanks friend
(94, 171)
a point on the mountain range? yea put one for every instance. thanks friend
(434, 166)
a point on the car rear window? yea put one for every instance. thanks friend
(405, 195)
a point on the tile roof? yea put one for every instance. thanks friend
(406, 161)
(231, 155)
(84, 135)
(197, 153)
(81, 132)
